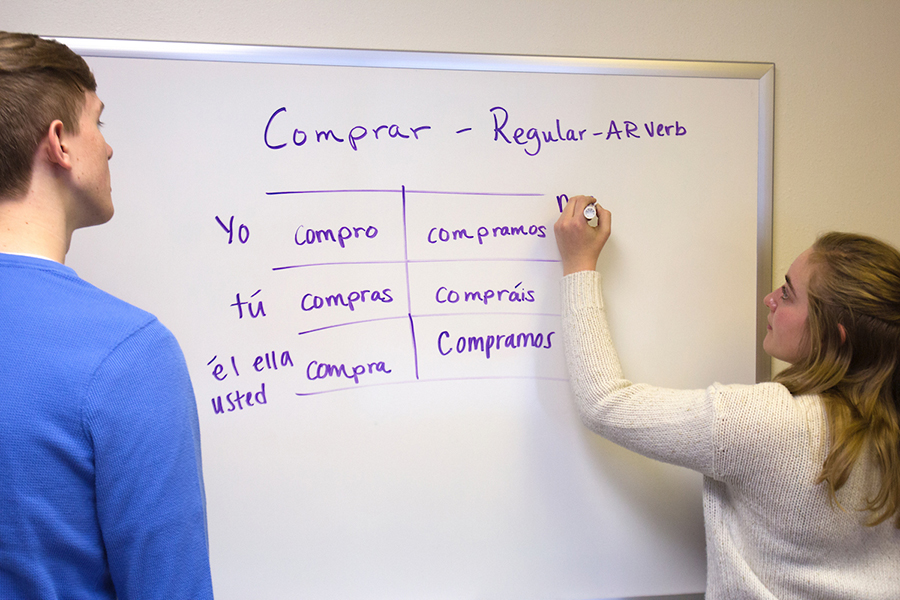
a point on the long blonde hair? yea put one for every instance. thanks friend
(854, 360)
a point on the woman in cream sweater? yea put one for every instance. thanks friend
(801, 475)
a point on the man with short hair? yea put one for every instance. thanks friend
(101, 488)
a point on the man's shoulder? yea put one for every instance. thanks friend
(52, 295)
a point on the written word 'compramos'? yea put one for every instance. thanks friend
(486, 344)
(438, 235)
(304, 236)
(280, 133)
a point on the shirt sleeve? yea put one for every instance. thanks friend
(673, 426)
(141, 416)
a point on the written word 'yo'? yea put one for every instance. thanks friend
(243, 232)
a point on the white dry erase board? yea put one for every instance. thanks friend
(355, 251)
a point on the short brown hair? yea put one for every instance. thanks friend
(40, 81)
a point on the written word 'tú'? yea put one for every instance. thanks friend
(253, 308)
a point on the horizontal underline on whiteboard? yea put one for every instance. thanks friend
(513, 194)
(429, 315)
(472, 314)
(439, 379)
(420, 261)
(351, 323)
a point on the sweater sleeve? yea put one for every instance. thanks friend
(141, 416)
(673, 426)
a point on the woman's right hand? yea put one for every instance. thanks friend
(580, 244)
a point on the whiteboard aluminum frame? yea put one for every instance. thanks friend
(764, 73)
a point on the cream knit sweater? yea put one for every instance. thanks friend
(770, 529)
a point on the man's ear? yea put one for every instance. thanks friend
(843, 333)
(57, 148)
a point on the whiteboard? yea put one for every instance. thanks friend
(355, 251)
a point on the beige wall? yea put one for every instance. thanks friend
(837, 105)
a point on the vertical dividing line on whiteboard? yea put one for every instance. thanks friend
(412, 325)
(412, 329)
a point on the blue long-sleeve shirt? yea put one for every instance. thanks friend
(101, 489)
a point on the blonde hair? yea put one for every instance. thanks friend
(854, 360)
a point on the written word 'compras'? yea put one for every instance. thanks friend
(283, 131)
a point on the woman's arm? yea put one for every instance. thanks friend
(675, 426)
